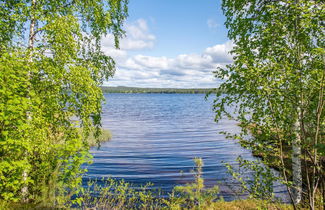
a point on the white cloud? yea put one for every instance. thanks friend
(220, 52)
(139, 30)
(194, 61)
(116, 54)
(182, 71)
(129, 44)
(137, 37)
(212, 23)
(151, 62)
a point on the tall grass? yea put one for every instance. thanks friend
(118, 194)
(112, 194)
(105, 136)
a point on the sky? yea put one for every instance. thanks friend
(170, 44)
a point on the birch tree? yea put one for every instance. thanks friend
(276, 85)
(51, 69)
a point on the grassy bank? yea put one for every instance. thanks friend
(250, 204)
(104, 137)
(117, 194)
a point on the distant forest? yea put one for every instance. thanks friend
(123, 89)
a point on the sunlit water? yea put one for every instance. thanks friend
(156, 137)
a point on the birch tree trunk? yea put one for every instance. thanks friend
(296, 144)
(296, 163)
(24, 190)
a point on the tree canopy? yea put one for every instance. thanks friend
(51, 70)
(276, 81)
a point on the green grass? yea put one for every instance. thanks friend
(249, 204)
(117, 194)
(104, 137)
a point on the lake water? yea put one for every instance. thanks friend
(156, 137)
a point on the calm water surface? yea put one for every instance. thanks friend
(156, 137)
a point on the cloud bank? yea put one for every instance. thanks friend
(183, 71)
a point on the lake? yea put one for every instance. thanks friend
(156, 137)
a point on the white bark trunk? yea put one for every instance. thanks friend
(296, 165)
(24, 190)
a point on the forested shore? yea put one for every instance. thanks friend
(123, 89)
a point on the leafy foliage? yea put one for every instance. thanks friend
(276, 82)
(118, 194)
(51, 70)
(193, 195)
(255, 179)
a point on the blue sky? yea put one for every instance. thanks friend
(170, 43)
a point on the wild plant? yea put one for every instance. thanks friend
(255, 178)
(193, 195)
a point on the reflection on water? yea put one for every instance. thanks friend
(156, 137)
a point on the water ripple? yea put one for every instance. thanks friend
(156, 137)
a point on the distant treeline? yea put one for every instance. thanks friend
(123, 89)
